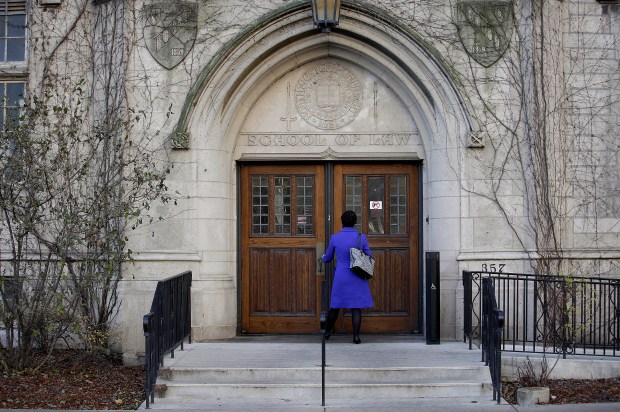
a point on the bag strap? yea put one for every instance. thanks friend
(359, 241)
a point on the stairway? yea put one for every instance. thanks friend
(289, 370)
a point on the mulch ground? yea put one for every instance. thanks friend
(73, 380)
(564, 391)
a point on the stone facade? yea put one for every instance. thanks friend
(469, 92)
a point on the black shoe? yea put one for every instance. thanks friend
(328, 334)
(357, 340)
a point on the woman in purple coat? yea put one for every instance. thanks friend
(348, 290)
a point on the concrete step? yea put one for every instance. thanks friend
(408, 375)
(305, 383)
(312, 391)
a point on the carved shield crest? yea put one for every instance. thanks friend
(485, 28)
(170, 30)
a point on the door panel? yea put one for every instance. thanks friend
(274, 293)
(282, 223)
(385, 198)
(391, 293)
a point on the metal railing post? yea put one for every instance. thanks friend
(148, 353)
(485, 320)
(498, 325)
(323, 320)
(468, 307)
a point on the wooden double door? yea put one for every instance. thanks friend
(287, 214)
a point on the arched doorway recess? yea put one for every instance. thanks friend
(248, 108)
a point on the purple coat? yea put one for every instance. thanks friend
(348, 289)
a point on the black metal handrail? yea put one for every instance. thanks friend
(166, 326)
(558, 314)
(493, 322)
(323, 319)
(468, 308)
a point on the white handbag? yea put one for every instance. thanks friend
(362, 264)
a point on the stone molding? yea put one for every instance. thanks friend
(179, 140)
(476, 140)
(330, 154)
(521, 255)
(166, 256)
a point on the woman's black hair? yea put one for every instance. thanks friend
(349, 218)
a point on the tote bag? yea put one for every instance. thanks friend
(361, 264)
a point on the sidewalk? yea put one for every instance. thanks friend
(415, 404)
(422, 405)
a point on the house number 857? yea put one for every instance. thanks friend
(493, 267)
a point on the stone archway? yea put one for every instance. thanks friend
(273, 58)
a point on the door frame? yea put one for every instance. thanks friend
(329, 224)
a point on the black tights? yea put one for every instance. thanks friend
(356, 320)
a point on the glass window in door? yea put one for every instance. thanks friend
(282, 205)
(377, 200)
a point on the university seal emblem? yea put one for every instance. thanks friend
(485, 28)
(170, 30)
(328, 96)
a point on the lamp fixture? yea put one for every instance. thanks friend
(325, 14)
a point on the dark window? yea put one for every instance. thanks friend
(8, 292)
(12, 97)
(12, 30)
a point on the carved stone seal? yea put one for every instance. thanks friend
(485, 28)
(170, 30)
(328, 96)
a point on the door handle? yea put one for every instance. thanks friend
(320, 251)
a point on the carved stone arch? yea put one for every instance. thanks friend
(285, 39)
